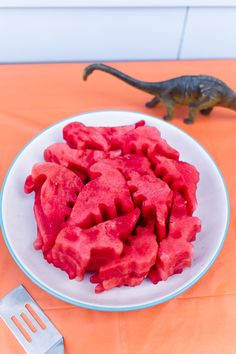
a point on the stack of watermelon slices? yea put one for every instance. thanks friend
(115, 202)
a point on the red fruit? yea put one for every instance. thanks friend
(148, 141)
(115, 134)
(179, 206)
(181, 225)
(172, 257)
(79, 136)
(105, 197)
(79, 161)
(180, 176)
(132, 266)
(176, 251)
(127, 165)
(56, 191)
(76, 250)
(154, 197)
(80, 227)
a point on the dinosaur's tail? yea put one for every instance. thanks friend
(149, 87)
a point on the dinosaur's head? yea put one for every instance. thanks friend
(85, 74)
(88, 70)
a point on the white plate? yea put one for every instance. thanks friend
(19, 228)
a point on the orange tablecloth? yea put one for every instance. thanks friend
(201, 320)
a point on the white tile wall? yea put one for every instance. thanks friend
(89, 34)
(209, 33)
(116, 33)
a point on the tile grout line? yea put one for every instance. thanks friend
(183, 33)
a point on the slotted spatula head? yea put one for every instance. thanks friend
(29, 324)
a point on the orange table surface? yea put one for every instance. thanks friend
(202, 319)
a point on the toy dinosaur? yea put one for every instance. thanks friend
(200, 92)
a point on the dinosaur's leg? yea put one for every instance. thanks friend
(168, 102)
(204, 103)
(192, 115)
(207, 111)
(153, 102)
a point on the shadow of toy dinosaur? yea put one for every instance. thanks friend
(199, 92)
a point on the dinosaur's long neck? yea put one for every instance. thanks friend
(149, 87)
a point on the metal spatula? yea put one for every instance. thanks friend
(29, 324)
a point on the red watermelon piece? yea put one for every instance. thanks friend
(180, 224)
(154, 197)
(115, 134)
(176, 252)
(103, 198)
(180, 176)
(172, 258)
(131, 268)
(56, 191)
(79, 161)
(148, 141)
(79, 136)
(126, 165)
(76, 250)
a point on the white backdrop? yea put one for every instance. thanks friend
(89, 33)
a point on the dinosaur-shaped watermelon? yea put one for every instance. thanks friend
(180, 176)
(148, 141)
(127, 165)
(172, 258)
(79, 161)
(132, 267)
(181, 225)
(56, 190)
(79, 136)
(76, 250)
(103, 198)
(176, 251)
(154, 197)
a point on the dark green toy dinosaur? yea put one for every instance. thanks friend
(200, 92)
